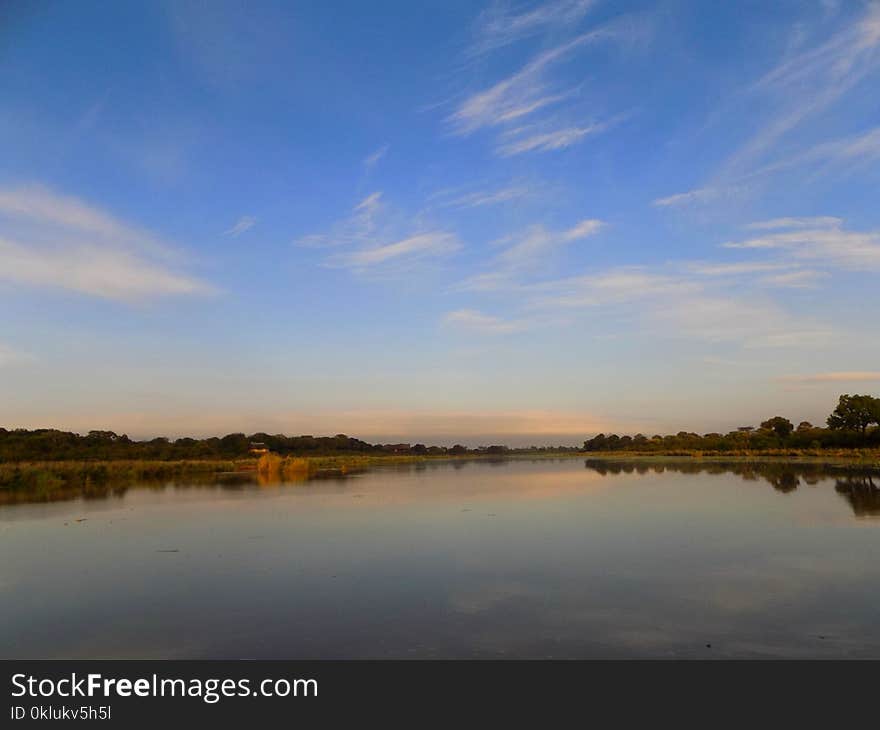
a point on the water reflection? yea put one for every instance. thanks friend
(859, 486)
(533, 558)
(862, 493)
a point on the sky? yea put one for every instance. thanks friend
(515, 222)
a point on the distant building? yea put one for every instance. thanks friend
(396, 448)
(258, 447)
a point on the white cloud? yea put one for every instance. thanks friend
(585, 228)
(490, 281)
(527, 251)
(811, 81)
(701, 196)
(735, 319)
(358, 228)
(481, 198)
(10, 356)
(547, 141)
(516, 96)
(831, 245)
(613, 286)
(498, 26)
(735, 269)
(863, 147)
(675, 306)
(374, 241)
(371, 159)
(96, 270)
(479, 322)
(59, 241)
(802, 279)
(245, 223)
(837, 155)
(370, 205)
(854, 376)
(805, 84)
(45, 208)
(531, 91)
(415, 247)
(817, 222)
(784, 275)
(537, 242)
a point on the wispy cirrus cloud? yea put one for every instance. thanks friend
(780, 275)
(525, 251)
(95, 270)
(514, 103)
(58, 241)
(811, 81)
(547, 141)
(829, 244)
(801, 279)
(804, 85)
(708, 302)
(499, 25)
(849, 376)
(677, 305)
(518, 95)
(707, 268)
(373, 241)
(483, 198)
(613, 286)
(357, 228)
(537, 242)
(481, 323)
(836, 156)
(839, 155)
(814, 222)
(10, 356)
(699, 196)
(422, 245)
(42, 206)
(242, 225)
(373, 158)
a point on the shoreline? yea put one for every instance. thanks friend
(45, 476)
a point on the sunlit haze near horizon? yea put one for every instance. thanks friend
(509, 222)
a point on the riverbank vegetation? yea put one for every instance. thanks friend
(45, 459)
(44, 476)
(853, 425)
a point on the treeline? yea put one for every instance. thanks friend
(18, 445)
(854, 424)
(53, 445)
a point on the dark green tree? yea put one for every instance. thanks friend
(782, 427)
(855, 413)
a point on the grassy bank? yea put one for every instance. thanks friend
(290, 468)
(840, 457)
(48, 475)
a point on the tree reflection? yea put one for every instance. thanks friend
(862, 492)
(860, 487)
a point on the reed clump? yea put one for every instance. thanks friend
(273, 468)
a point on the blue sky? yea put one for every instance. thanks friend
(442, 221)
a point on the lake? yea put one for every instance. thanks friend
(544, 558)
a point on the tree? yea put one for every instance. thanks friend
(855, 413)
(782, 427)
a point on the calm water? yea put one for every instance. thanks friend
(559, 558)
